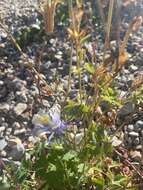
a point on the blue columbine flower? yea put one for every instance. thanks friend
(49, 124)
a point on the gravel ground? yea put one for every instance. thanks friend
(19, 95)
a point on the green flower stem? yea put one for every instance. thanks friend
(78, 56)
(70, 69)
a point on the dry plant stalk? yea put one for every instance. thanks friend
(102, 75)
(134, 26)
(109, 21)
(137, 82)
(75, 33)
(48, 8)
(101, 12)
(79, 3)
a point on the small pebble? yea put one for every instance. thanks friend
(3, 144)
(3, 154)
(17, 152)
(19, 131)
(133, 134)
(136, 141)
(130, 128)
(2, 129)
(20, 108)
(127, 109)
(139, 125)
(136, 155)
(4, 107)
(16, 125)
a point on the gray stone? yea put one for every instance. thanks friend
(136, 141)
(1, 83)
(129, 141)
(127, 109)
(3, 92)
(2, 128)
(17, 152)
(3, 153)
(14, 141)
(20, 108)
(2, 119)
(4, 124)
(16, 125)
(133, 68)
(58, 56)
(4, 107)
(133, 134)
(21, 97)
(116, 142)
(46, 103)
(136, 155)
(2, 134)
(8, 131)
(3, 144)
(34, 91)
(46, 65)
(139, 147)
(139, 125)
(18, 84)
(130, 128)
(19, 131)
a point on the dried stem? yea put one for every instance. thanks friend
(101, 12)
(109, 21)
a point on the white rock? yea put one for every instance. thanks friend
(4, 107)
(20, 108)
(133, 134)
(19, 131)
(136, 155)
(139, 125)
(116, 142)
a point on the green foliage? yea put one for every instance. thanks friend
(137, 95)
(90, 68)
(109, 95)
(74, 110)
(29, 34)
(61, 166)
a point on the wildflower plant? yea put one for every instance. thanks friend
(77, 151)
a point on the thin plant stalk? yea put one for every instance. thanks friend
(110, 13)
(108, 27)
(70, 75)
(48, 11)
(70, 69)
(78, 57)
(126, 38)
(70, 7)
(101, 14)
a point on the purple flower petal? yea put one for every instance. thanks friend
(54, 128)
(39, 129)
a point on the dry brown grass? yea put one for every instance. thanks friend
(48, 8)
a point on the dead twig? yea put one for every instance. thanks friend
(129, 163)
